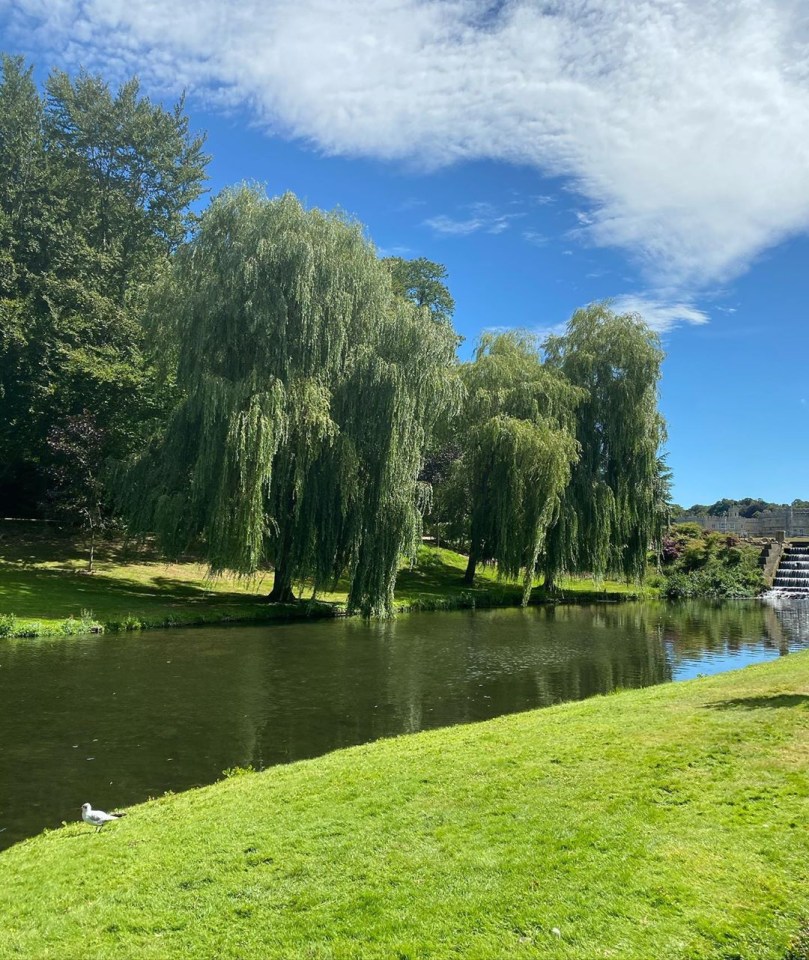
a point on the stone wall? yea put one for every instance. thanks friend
(794, 521)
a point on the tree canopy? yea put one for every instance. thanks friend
(748, 506)
(422, 282)
(282, 396)
(611, 510)
(95, 193)
(309, 392)
(518, 444)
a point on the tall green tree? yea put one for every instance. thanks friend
(310, 391)
(611, 510)
(77, 488)
(130, 170)
(422, 282)
(24, 216)
(517, 434)
(95, 195)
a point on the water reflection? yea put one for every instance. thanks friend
(113, 720)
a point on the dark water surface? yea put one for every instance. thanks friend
(115, 719)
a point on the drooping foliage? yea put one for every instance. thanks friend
(95, 188)
(611, 511)
(423, 283)
(309, 391)
(516, 432)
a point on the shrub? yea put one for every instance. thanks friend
(8, 624)
(799, 945)
(230, 772)
(85, 624)
(701, 564)
(670, 549)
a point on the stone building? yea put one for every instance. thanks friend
(794, 521)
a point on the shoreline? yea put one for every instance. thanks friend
(662, 821)
(45, 592)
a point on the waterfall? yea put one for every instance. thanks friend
(792, 576)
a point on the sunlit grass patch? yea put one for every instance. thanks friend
(44, 587)
(667, 822)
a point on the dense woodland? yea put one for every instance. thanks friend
(249, 378)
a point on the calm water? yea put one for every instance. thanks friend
(113, 720)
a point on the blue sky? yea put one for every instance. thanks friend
(549, 154)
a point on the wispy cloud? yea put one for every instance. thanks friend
(484, 217)
(454, 228)
(551, 330)
(683, 126)
(661, 315)
(410, 204)
(534, 237)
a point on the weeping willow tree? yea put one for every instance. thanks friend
(518, 446)
(611, 510)
(308, 393)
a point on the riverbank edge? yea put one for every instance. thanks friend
(661, 819)
(15, 628)
(45, 577)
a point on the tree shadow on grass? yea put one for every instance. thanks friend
(53, 594)
(31, 546)
(775, 701)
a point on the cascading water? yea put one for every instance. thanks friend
(792, 576)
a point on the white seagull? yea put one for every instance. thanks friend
(97, 818)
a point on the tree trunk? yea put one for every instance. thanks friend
(550, 585)
(469, 576)
(282, 587)
(92, 547)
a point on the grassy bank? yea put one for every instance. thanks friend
(45, 589)
(667, 823)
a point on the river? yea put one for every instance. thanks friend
(116, 719)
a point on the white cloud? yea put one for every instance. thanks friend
(683, 125)
(535, 238)
(661, 315)
(454, 228)
(552, 330)
(484, 217)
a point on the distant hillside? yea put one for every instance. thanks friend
(748, 507)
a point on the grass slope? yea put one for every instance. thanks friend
(663, 823)
(43, 584)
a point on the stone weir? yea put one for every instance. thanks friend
(792, 576)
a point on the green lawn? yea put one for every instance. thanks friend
(660, 824)
(43, 583)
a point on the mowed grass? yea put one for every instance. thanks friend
(43, 583)
(656, 824)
